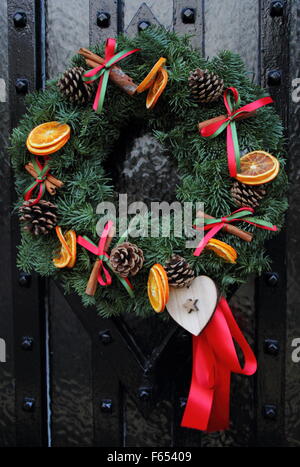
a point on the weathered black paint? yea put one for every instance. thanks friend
(271, 293)
(28, 292)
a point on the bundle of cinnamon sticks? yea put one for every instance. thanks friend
(92, 282)
(51, 182)
(117, 75)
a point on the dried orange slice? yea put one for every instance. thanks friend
(48, 134)
(63, 259)
(61, 237)
(71, 241)
(258, 167)
(222, 249)
(156, 291)
(148, 81)
(164, 279)
(157, 88)
(49, 150)
(67, 256)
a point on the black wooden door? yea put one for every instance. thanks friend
(73, 379)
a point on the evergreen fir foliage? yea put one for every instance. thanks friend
(202, 166)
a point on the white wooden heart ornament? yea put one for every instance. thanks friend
(192, 307)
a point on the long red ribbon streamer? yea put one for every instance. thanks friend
(214, 358)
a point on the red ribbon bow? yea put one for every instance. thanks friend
(104, 258)
(233, 112)
(214, 225)
(42, 172)
(99, 251)
(102, 71)
(214, 358)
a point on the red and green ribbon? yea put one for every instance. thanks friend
(106, 279)
(102, 71)
(233, 111)
(214, 225)
(40, 181)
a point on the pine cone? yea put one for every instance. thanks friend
(179, 272)
(205, 87)
(126, 259)
(39, 218)
(74, 88)
(247, 195)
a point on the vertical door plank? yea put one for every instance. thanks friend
(292, 396)
(22, 54)
(67, 31)
(233, 25)
(271, 301)
(7, 391)
(71, 376)
(25, 59)
(195, 29)
(99, 34)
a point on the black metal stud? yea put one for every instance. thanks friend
(271, 346)
(145, 393)
(270, 411)
(21, 86)
(143, 25)
(105, 337)
(103, 19)
(28, 404)
(106, 406)
(20, 19)
(185, 335)
(182, 402)
(24, 279)
(274, 78)
(276, 8)
(27, 343)
(148, 368)
(272, 279)
(188, 15)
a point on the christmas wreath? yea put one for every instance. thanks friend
(62, 147)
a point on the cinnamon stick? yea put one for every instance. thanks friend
(92, 282)
(229, 228)
(242, 116)
(91, 63)
(50, 187)
(51, 182)
(50, 177)
(93, 279)
(55, 181)
(117, 75)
